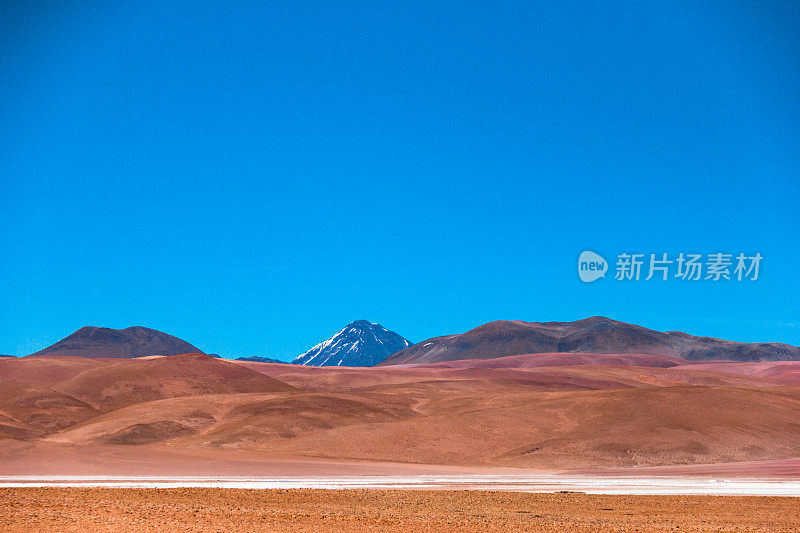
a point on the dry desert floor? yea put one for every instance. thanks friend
(197, 509)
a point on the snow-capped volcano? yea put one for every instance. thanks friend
(360, 343)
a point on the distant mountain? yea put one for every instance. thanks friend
(257, 359)
(592, 335)
(1, 355)
(360, 343)
(123, 343)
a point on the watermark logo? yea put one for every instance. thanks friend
(591, 266)
(718, 266)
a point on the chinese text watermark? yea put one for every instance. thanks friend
(684, 266)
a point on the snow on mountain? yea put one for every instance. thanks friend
(360, 343)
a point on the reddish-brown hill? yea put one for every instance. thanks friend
(119, 384)
(592, 335)
(130, 342)
(41, 395)
(565, 410)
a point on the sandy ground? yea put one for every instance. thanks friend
(41, 509)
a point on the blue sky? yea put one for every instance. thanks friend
(251, 176)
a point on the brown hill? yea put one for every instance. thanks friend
(28, 413)
(233, 420)
(622, 427)
(543, 411)
(531, 372)
(544, 417)
(124, 383)
(44, 372)
(130, 342)
(591, 335)
(41, 395)
(567, 359)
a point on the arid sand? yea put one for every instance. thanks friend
(58, 509)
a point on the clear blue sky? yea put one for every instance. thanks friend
(251, 176)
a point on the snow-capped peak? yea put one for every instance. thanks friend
(360, 343)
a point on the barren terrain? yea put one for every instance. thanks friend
(192, 413)
(55, 509)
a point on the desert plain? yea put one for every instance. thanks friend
(196, 509)
(602, 416)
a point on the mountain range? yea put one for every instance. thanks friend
(360, 343)
(363, 343)
(567, 409)
(591, 335)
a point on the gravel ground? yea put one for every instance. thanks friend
(109, 509)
